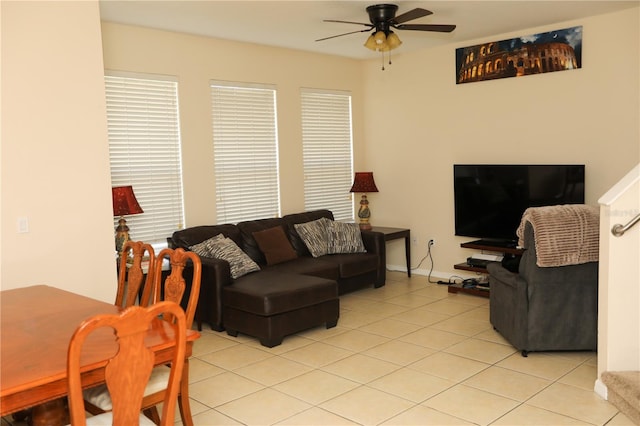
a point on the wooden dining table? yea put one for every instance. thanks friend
(36, 324)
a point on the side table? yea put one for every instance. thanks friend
(394, 234)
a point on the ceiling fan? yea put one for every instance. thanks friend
(383, 19)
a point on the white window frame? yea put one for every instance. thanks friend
(327, 144)
(245, 145)
(143, 119)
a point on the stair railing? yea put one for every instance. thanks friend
(618, 230)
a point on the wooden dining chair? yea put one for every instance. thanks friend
(127, 372)
(131, 274)
(184, 265)
(185, 268)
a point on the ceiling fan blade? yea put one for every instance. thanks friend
(427, 27)
(344, 34)
(347, 22)
(410, 15)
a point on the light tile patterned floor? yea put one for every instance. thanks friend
(409, 353)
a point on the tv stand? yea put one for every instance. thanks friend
(506, 247)
(500, 246)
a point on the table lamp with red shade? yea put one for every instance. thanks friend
(363, 182)
(124, 203)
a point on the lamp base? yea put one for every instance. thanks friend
(122, 234)
(364, 213)
(365, 226)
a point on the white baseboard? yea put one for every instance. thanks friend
(601, 389)
(434, 274)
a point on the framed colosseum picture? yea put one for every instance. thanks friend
(559, 50)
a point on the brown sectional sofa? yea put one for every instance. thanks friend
(285, 297)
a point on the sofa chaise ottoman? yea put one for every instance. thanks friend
(290, 303)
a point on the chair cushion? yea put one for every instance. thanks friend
(99, 395)
(106, 419)
(315, 235)
(275, 246)
(345, 238)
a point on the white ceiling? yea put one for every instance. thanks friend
(297, 24)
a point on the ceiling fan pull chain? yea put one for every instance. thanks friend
(382, 61)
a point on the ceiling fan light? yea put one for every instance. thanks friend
(393, 40)
(380, 38)
(371, 43)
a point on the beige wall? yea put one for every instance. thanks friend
(411, 123)
(419, 123)
(197, 60)
(55, 164)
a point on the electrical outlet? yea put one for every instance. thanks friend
(431, 242)
(23, 225)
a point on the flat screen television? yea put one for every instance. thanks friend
(489, 199)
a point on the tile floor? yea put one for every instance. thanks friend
(409, 353)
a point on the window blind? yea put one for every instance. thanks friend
(245, 151)
(327, 152)
(144, 151)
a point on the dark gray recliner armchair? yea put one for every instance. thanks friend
(544, 308)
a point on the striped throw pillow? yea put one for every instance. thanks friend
(345, 238)
(315, 235)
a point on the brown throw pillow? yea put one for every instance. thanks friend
(275, 245)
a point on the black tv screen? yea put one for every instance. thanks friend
(491, 198)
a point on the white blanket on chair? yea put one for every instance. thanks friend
(564, 235)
